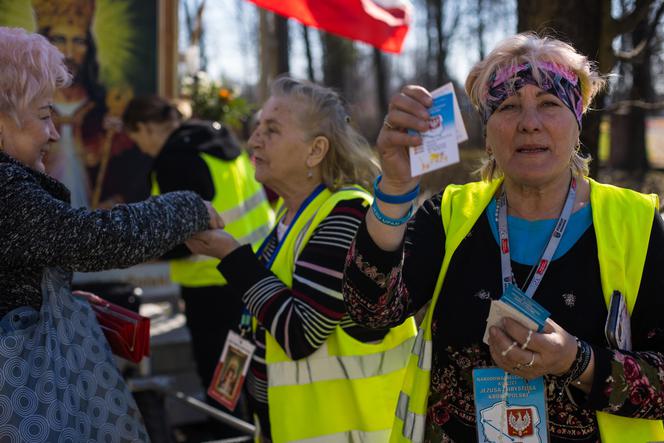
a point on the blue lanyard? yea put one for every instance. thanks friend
(540, 267)
(245, 321)
(320, 188)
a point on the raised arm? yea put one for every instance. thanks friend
(382, 288)
(408, 110)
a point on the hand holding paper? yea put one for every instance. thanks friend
(440, 140)
(407, 110)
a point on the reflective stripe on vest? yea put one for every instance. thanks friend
(352, 436)
(346, 390)
(335, 367)
(621, 254)
(241, 202)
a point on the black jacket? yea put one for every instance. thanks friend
(179, 167)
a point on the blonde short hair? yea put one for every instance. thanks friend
(30, 67)
(531, 48)
(350, 159)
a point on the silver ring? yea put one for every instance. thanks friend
(530, 335)
(509, 348)
(388, 125)
(532, 360)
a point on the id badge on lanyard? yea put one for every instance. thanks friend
(231, 371)
(508, 407)
(515, 303)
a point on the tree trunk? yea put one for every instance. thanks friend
(480, 29)
(441, 47)
(590, 28)
(338, 60)
(381, 81)
(580, 23)
(281, 30)
(273, 50)
(307, 49)
(632, 153)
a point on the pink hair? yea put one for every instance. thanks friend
(30, 67)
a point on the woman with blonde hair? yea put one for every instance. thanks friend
(58, 380)
(315, 374)
(536, 232)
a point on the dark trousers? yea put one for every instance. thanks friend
(211, 312)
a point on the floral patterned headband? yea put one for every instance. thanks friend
(554, 79)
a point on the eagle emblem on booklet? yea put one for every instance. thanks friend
(509, 409)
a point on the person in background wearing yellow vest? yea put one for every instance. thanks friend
(203, 157)
(531, 92)
(316, 375)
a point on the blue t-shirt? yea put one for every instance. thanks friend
(529, 238)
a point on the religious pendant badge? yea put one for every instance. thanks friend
(231, 370)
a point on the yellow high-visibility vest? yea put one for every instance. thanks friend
(241, 202)
(346, 390)
(622, 220)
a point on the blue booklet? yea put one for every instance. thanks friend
(514, 297)
(508, 408)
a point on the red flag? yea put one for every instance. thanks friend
(381, 23)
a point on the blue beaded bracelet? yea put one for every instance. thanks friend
(384, 219)
(394, 199)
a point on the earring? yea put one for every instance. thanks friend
(310, 174)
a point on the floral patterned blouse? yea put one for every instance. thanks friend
(382, 288)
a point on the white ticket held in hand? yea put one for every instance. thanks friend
(440, 144)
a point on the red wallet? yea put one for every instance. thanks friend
(127, 332)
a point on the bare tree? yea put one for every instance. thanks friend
(274, 54)
(307, 50)
(589, 25)
(193, 11)
(628, 120)
(339, 58)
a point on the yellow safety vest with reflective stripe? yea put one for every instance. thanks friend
(242, 203)
(346, 390)
(622, 220)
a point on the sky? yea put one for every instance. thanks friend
(231, 43)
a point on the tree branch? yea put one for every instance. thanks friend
(627, 22)
(622, 107)
(635, 55)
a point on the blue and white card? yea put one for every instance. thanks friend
(511, 410)
(440, 144)
(514, 297)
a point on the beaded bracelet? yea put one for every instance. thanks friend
(394, 199)
(386, 220)
(580, 364)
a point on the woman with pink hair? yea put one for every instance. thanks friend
(58, 381)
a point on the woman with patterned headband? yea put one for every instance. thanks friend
(537, 230)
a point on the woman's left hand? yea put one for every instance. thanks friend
(213, 243)
(528, 354)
